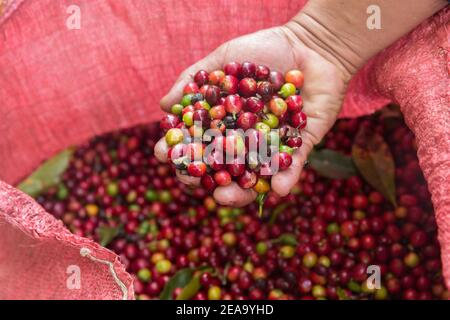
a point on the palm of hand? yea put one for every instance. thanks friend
(322, 94)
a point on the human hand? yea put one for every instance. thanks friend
(280, 49)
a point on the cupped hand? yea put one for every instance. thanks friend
(280, 49)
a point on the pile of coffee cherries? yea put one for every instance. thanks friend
(316, 243)
(216, 105)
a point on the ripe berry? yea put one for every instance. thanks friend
(217, 112)
(254, 104)
(229, 84)
(169, 121)
(276, 79)
(261, 186)
(202, 104)
(196, 169)
(203, 117)
(248, 179)
(233, 69)
(191, 87)
(246, 120)
(295, 77)
(262, 72)
(222, 178)
(247, 87)
(298, 120)
(208, 182)
(284, 160)
(201, 78)
(216, 77)
(278, 106)
(265, 89)
(248, 70)
(295, 142)
(236, 168)
(233, 104)
(212, 95)
(294, 103)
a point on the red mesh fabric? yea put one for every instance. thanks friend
(111, 73)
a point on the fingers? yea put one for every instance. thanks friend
(211, 62)
(188, 180)
(234, 196)
(284, 181)
(161, 149)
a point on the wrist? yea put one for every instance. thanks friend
(317, 34)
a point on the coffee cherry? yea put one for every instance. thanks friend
(247, 180)
(222, 178)
(284, 160)
(295, 77)
(262, 72)
(216, 77)
(174, 136)
(271, 120)
(201, 78)
(276, 79)
(214, 293)
(212, 95)
(191, 87)
(246, 120)
(287, 89)
(196, 169)
(309, 260)
(261, 186)
(265, 89)
(177, 109)
(229, 84)
(236, 168)
(217, 112)
(254, 104)
(202, 104)
(233, 69)
(294, 103)
(169, 121)
(163, 266)
(278, 106)
(233, 104)
(247, 87)
(298, 120)
(248, 70)
(203, 117)
(188, 118)
(295, 142)
(208, 182)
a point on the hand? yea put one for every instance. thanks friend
(280, 49)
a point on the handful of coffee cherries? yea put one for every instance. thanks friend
(241, 123)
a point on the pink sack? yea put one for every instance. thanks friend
(111, 73)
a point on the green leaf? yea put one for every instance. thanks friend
(47, 175)
(179, 280)
(286, 239)
(190, 289)
(107, 234)
(374, 161)
(332, 164)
